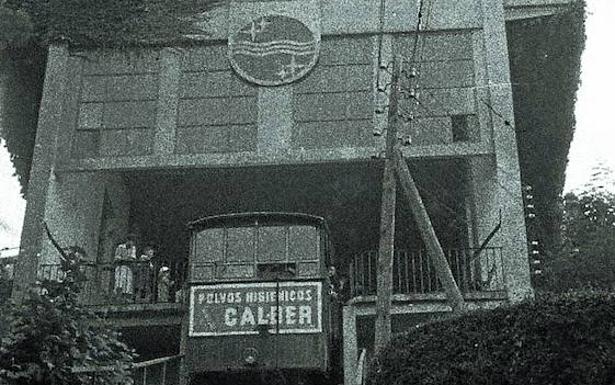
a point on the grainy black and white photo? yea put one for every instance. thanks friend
(307, 192)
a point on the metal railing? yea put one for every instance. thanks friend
(159, 371)
(413, 273)
(123, 282)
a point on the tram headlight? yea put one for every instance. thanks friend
(250, 356)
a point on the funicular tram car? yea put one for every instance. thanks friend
(260, 300)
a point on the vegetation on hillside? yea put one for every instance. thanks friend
(565, 339)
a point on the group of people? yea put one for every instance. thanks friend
(138, 278)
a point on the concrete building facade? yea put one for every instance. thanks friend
(146, 140)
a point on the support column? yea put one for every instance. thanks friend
(73, 213)
(275, 119)
(184, 370)
(50, 121)
(349, 322)
(507, 172)
(168, 99)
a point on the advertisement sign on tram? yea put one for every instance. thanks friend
(250, 308)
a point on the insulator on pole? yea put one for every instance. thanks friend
(381, 110)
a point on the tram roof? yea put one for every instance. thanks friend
(236, 218)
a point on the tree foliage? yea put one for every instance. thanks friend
(109, 23)
(49, 334)
(586, 257)
(545, 62)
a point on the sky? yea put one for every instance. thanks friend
(594, 139)
(12, 205)
(593, 143)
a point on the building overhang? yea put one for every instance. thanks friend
(528, 9)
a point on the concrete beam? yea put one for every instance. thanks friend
(527, 9)
(289, 157)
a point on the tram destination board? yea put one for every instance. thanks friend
(253, 308)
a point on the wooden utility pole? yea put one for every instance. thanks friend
(428, 234)
(384, 275)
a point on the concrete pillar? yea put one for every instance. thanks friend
(168, 99)
(506, 173)
(73, 213)
(349, 324)
(43, 161)
(484, 187)
(275, 118)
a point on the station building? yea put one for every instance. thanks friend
(280, 106)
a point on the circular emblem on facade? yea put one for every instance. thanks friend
(273, 50)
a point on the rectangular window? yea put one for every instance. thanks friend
(465, 128)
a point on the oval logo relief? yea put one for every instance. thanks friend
(274, 50)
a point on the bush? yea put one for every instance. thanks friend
(563, 339)
(49, 334)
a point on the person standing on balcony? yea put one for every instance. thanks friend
(164, 284)
(143, 274)
(125, 255)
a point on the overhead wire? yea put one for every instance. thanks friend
(443, 108)
(418, 48)
(417, 51)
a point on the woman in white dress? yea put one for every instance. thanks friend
(125, 254)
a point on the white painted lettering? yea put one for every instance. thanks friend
(305, 315)
(263, 318)
(230, 316)
(291, 313)
(247, 318)
(273, 315)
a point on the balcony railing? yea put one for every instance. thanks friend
(123, 283)
(161, 371)
(413, 273)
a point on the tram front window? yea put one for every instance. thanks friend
(276, 270)
(257, 250)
